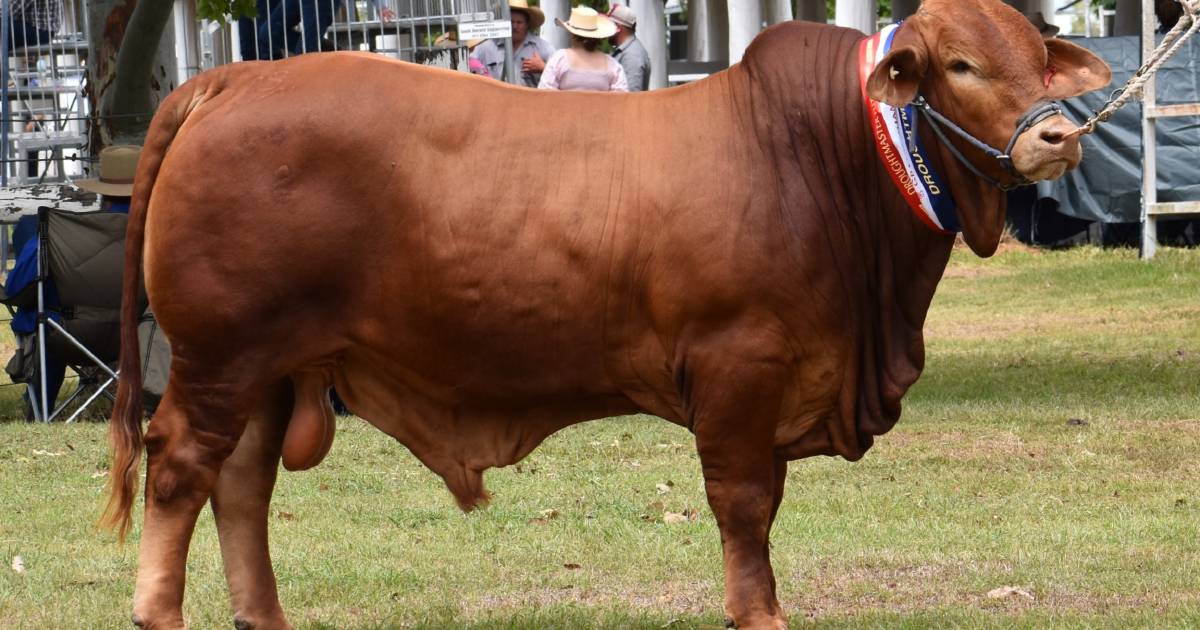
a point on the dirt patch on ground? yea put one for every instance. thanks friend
(997, 453)
(694, 598)
(1106, 322)
(833, 592)
(837, 591)
(963, 272)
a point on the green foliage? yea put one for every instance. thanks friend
(221, 10)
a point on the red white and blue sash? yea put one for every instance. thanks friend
(907, 163)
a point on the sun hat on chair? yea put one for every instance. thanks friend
(117, 166)
(587, 23)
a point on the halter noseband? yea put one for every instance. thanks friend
(1035, 114)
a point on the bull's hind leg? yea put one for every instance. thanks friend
(190, 436)
(734, 409)
(240, 502)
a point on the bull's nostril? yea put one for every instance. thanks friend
(1052, 137)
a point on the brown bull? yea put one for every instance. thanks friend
(732, 256)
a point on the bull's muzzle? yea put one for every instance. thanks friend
(1048, 149)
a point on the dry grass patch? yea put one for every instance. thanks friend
(1112, 322)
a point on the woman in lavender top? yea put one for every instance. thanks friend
(583, 66)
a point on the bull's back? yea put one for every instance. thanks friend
(420, 212)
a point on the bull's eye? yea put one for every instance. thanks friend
(960, 67)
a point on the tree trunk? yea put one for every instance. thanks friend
(131, 68)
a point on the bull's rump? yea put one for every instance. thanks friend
(473, 234)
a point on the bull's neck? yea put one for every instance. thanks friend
(827, 163)
(837, 199)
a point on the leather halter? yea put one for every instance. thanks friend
(1035, 114)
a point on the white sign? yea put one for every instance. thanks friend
(494, 29)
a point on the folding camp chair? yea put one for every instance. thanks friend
(81, 256)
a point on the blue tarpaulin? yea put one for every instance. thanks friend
(1107, 185)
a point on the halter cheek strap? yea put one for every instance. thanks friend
(1037, 113)
(874, 48)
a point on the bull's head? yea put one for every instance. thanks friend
(986, 68)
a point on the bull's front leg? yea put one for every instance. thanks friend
(734, 407)
(241, 502)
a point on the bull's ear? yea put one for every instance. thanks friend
(1074, 70)
(897, 77)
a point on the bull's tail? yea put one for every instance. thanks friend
(125, 428)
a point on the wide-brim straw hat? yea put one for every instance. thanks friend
(587, 23)
(118, 163)
(536, 17)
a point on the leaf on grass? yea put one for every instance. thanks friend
(287, 516)
(1077, 422)
(688, 515)
(1009, 591)
(663, 488)
(572, 566)
(652, 511)
(671, 518)
(18, 564)
(546, 517)
(38, 451)
(323, 487)
(99, 473)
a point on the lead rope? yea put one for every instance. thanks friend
(1187, 26)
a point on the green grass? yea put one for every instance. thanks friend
(1051, 446)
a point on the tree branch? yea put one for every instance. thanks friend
(129, 101)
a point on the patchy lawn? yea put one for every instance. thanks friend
(1050, 447)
